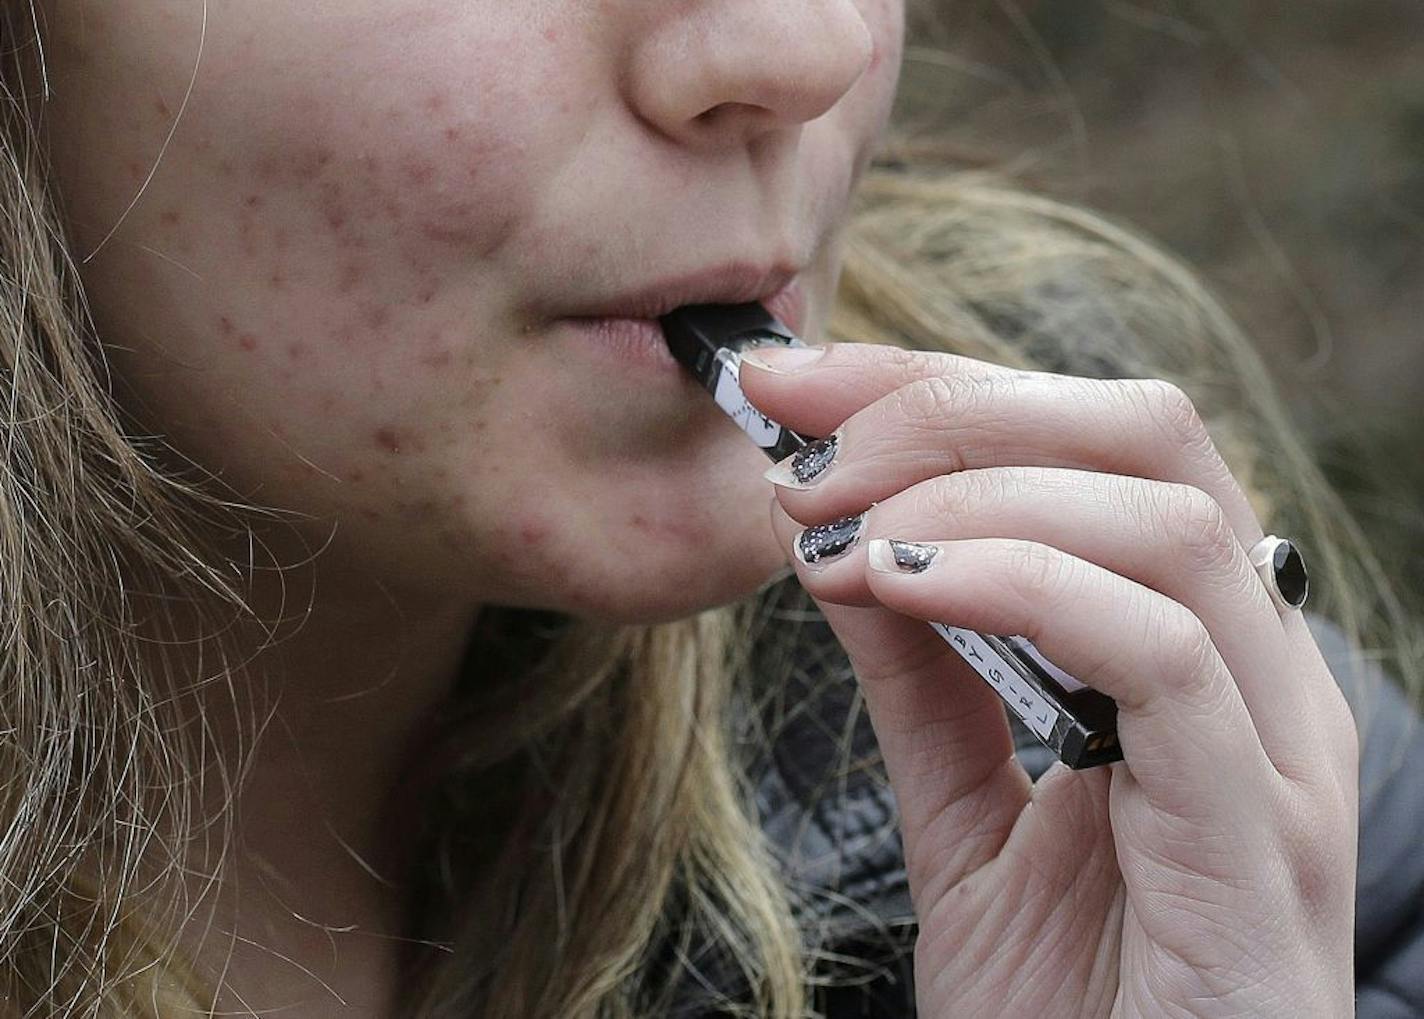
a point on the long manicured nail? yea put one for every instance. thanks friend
(889, 555)
(803, 467)
(782, 360)
(816, 545)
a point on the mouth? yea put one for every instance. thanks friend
(732, 283)
(628, 323)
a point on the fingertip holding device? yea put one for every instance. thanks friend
(1077, 723)
(709, 339)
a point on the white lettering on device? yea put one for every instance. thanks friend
(729, 396)
(1026, 702)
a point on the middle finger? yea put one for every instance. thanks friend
(1169, 537)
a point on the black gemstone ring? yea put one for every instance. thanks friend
(1282, 570)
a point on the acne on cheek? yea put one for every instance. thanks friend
(394, 441)
(434, 202)
(533, 531)
(440, 516)
(425, 174)
(525, 547)
(358, 233)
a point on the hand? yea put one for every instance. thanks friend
(1212, 871)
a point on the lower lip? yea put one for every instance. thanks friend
(641, 339)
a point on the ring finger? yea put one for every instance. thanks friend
(1168, 537)
(1186, 735)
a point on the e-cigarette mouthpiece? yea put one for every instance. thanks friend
(708, 340)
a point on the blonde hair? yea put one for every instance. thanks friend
(586, 826)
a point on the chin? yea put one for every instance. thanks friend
(667, 583)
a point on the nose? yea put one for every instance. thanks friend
(730, 70)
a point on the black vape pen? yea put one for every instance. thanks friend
(1077, 723)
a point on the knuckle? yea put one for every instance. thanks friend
(1041, 573)
(963, 495)
(1198, 526)
(946, 497)
(926, 403)
(1323, 877)
(939, 401)
(1185, 643)
(905, 363)
(1320, 850)
(1173, 413)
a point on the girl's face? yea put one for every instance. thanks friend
(344, 269)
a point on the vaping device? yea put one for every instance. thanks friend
(1078, 724)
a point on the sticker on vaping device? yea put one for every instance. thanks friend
(1033, 708)
(729, 396)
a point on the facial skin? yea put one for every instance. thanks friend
(341, 291)
(341, 287)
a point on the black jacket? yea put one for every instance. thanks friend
(833, 820)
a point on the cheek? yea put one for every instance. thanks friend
(320, 253)
(638, 541)
(422, 179)
(368, 208)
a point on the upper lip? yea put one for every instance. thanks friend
(732, 283)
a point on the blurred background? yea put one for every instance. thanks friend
(1277, 146)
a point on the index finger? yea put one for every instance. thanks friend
(844, 377)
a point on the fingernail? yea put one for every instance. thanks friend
(783, 360)
(816, 545)
(889, 555)
(805, 465)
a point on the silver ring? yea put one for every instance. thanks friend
(1281, 567)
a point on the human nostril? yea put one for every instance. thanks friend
(748, 68)
(709, 117)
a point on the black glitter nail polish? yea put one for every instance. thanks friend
(912, 557)
(826, 541)
(813, 458)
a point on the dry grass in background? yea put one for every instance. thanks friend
(1278, 146)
